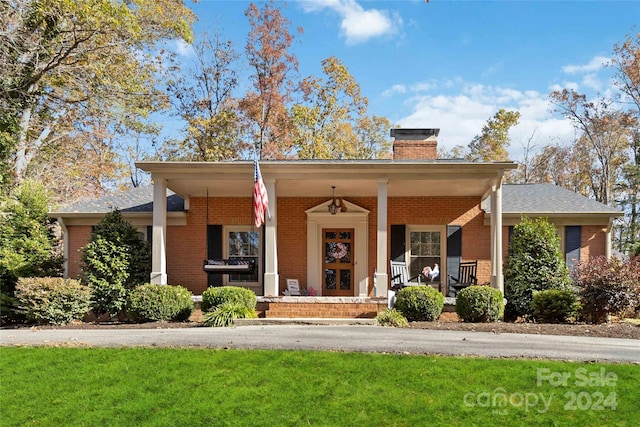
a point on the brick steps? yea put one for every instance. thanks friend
(322, 310)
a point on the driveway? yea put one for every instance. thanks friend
(358, 338)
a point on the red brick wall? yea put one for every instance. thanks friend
(186, 245)
(79, 236)
(593, 240)
(463, 211)
(415, 150)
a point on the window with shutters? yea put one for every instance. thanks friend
(426, 247)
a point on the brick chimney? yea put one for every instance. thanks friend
(415, 144)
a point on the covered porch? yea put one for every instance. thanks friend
(374, 197)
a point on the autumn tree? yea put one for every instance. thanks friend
(603, 141)
(560, 165)
(203, 97)
(265, 105)
(70, 70)
(492, 143)
(372, 138)
(332, 123)
(626, 62)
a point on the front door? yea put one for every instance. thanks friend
(337, 252)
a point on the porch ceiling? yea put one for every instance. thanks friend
(351, 178)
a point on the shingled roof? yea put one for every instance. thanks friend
(516, 199)
(136, 200)
(547, 199)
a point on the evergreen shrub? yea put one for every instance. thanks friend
(419, 303)
(116, 260)
(534, 263)
(52, 300)
(149, 303)
(29, 243)
(555, 305)
(480, 304)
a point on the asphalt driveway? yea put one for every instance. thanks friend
(350, 338)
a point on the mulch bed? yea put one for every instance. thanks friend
(614, 329)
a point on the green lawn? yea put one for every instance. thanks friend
(51, 386)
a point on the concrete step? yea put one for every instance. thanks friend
(304, 321)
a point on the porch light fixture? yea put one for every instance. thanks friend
(333, 208)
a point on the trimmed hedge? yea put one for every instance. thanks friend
(213, 297)
(480, 304)
(52, 300)
(148, 303)
(419, 303)
(555, 305)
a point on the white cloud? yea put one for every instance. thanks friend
(596, 63)
(358, 25)
(184, 49)
(461, 115)
(592, 81)
(395, 89)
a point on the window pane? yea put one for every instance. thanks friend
(245, 245)
(345, 235)
(330, 278)
(345, 279)
(424, 251)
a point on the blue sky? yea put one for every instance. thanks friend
(453, 64)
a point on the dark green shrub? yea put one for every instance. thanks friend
(555, 305)
(213, 297)
(607, 286)
(29, 245)
(391, 317)
(148, 303)
(224, 314)
(419, 303)
(10, 312)
(534, 263)
(115, 260)
(53, 300)
(480, 304)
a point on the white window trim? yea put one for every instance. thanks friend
(442, 229)
(255, 286)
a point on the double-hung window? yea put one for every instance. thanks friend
(243, 242)
(426, 248)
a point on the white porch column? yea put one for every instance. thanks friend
(159, 248)
(607, 237)
(499, 280)
(271, 277)
(492, 231)
(382, 278)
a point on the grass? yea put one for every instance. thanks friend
(193, 387)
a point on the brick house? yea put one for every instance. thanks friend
(334, 225)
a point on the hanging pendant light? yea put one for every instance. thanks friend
(333, 208)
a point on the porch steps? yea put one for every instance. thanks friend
(320, 307)
(303, 321)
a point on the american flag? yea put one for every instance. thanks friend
(260, 199)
